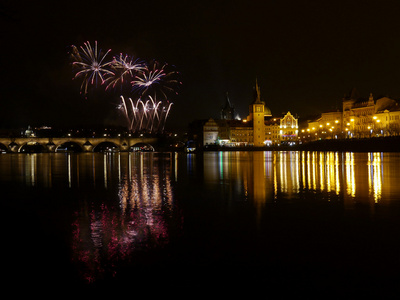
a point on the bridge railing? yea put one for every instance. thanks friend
(41, 144)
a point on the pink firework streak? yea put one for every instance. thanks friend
(91, 65)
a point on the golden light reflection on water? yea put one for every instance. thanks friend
(350, 176)
(261, 175)
(266, 176)
(375, 170)
(105, 232)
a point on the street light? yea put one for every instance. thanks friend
(352, 125)
(377, 123)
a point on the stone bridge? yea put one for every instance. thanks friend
(20, 144)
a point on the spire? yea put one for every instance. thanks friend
(371, 99)
(228, 102)
(258, 94)
(228, 110)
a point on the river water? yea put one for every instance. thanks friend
(276, 221)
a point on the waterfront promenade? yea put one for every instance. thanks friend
(379, 144)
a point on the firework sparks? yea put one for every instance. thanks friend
(91, 65)
(151, 84)
(124, 66)
(145, 116)
(155, 79)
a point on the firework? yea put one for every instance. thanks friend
(91, 65)
(151, 84)
(145, 116)
(156, 79)
(124, 66)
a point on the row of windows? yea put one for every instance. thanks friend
(363, 128)
(369, 119)
(268, 135)
(251, 133)
(242, 134)
(364, 112)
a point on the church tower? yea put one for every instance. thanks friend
(257, 109)
(228, 110)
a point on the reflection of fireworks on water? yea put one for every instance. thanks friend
(107, 234)
(149, 115)
(91, 65)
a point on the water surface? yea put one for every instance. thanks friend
(309, 220)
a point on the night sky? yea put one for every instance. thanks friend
(305, 54)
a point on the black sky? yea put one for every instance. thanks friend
(305, 54)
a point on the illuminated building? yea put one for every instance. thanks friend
(328, 126)
(210, 132)
(257, 109)
(288, 129)
(367, 118)
(357, 114)
(359, 118)
(272, 131)
(386, 120)
(259, 129)
(240, 133)
(29, 132)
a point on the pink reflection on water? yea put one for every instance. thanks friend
(107, 234)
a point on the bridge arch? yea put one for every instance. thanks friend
(141, 147)
(86, 144)
(32, 148)
(106, 146)
(14, 147)
(3, 148)
(69, 147)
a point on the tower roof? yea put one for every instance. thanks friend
(227, 102)
(228, 110)
(258, 100)
(257, 94)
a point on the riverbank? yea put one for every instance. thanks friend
(379, 144)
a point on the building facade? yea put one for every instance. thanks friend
(258, 129)
(288, 129)
(359, 118)
(386, 120)
(272, 131)
(210, 132)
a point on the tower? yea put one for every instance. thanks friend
(257, 109)
(228, 110)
